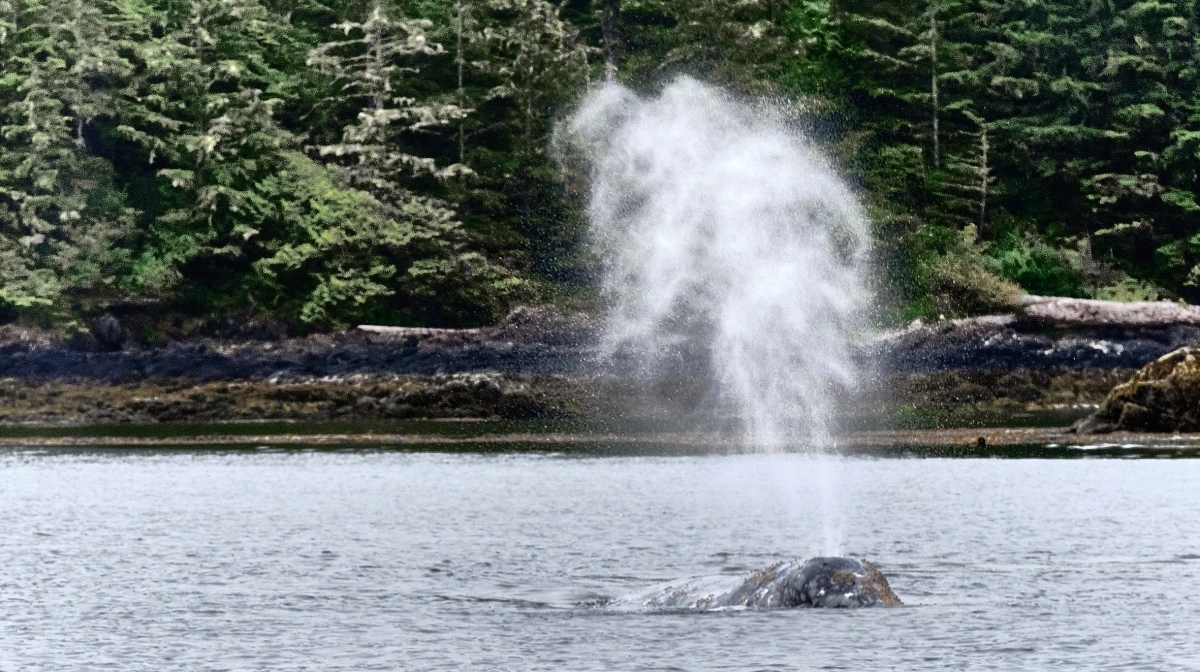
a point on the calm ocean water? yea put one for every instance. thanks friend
(433, 561)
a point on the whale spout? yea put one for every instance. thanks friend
(827, 582)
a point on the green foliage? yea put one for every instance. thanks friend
(339, 254)
(64, 226)
(959, 285)
(199, 116)
(964, 279)
(195, 112)
(1129, 289)
(409, 244)
(1076, 118)
(322, 263)
(329, 163)
(1037, 266)
(542, 62)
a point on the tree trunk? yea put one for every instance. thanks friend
(374, 40)
(985, 171)
(937, 150)
(610, 29)
(460, 9)
(77, 17)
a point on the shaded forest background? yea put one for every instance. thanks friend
(318, 164)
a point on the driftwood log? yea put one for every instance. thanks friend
(1068, 312)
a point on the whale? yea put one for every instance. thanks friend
(823, 582)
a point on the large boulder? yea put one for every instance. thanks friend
(1163, 396)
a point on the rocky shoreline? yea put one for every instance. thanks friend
(1053, 354)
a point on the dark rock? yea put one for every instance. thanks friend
(540, 362)
(997, 343)
(548, 325)
(1163, 396)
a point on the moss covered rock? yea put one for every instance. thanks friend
(1163, 396)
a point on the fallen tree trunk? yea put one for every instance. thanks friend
(1067, 312)
(419, 332)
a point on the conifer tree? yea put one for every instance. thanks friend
(367, 67)
(1063, 47)
(540, 63)
(64, 229)
(946, 51)
(1135, 199)
(201, 116)
(464, 30)
(970, 176)
(539, 66)
(403, 242)
(739, 44)
(8, 17)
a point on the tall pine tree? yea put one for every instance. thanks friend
(64, 229)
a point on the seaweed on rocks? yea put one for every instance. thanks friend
(538, 363)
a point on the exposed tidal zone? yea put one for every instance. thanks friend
(950, 396)
(957, 390)
(347, 398)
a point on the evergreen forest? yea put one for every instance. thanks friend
(320, 164)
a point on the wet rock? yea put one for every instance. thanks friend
(995, 344)
(1000, 391)
(548, 325)
(540, 363)
(1163, 396)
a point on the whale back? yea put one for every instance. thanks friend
(820, 582)
(842, 582)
